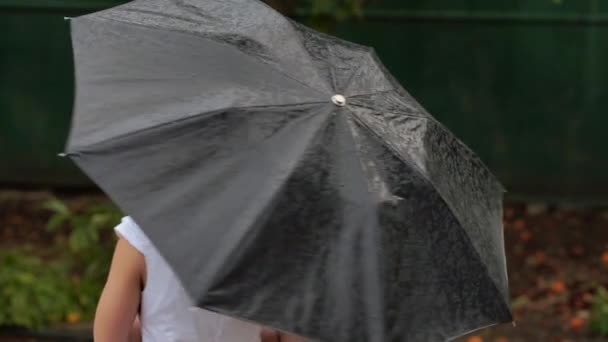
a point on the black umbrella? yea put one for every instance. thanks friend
(286, 177)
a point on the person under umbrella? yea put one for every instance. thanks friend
(284, 175)
(143, 300)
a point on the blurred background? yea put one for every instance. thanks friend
(524, 83)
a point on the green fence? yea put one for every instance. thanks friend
(524, 83)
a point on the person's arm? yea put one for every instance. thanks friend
(116, 315)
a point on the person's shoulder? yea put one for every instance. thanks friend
(130, 231)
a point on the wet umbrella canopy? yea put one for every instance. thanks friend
(286, 177)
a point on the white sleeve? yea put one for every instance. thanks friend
(130, 231)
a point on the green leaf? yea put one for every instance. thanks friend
(519, 302)
(78, 240)
(55, 222)
(57, 206)
(25, 278)
(598, 322)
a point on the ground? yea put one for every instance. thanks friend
(556, 257)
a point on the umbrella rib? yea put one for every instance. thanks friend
(350, 79)
(166, 15)
(271, 192)
(388, 111)
(332, 71)
(442, 126)
(397, 154)
(371, 193)
(471, 152)
(374, 93)
(299, 35)
(383, 141)
(187, 118)
(297, 32)
(200, 36)
(370, 53)
(430, 117)
(357, 72)
(401, 100)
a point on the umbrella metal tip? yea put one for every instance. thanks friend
(339, 100)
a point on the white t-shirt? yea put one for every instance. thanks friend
(167, 312)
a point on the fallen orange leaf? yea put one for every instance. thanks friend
(558, 287)
(576, 322)
(73, 317)
(605, 258)
(474, 339)
(519, 224)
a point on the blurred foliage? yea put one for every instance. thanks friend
(599, 313)
(64, 286)
(321, 14)
(33, 292)
(339, 10)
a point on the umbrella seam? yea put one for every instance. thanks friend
(378, 61)
(460, 334)
(301, 38)
(444, 128)
(441, 195)
(325, 38)
(350, 79)
(471, 152)
(278, 188)
(90, 147)
(190, 33)
(160, 14)
(350, 126)
(390, 112)
(332, 72)
(401, 103)
(374, 93)
(384, 143)
(295, 30)
(370, 51)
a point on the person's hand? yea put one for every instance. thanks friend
(269, 335)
